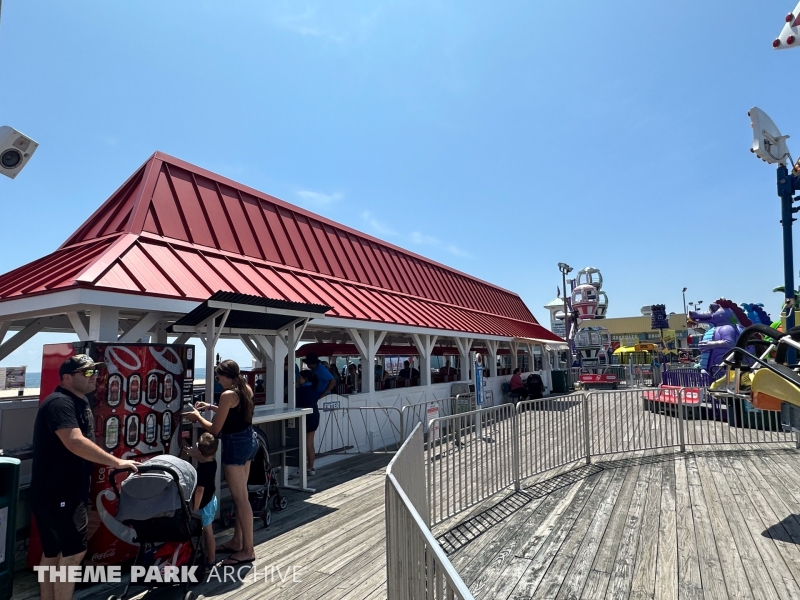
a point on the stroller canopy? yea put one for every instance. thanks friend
(153, 493)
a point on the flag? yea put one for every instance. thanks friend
(558, 291)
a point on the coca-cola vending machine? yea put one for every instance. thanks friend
(137, 409)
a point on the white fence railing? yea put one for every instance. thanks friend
(473, 455)
(359, 429)
(416, 566)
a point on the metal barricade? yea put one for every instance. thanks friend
(470, 457)
(686, 377)
(574, 377)
(416, 565)
(722, 418)
(357, 430)
(418, 413)
(622, 373)
(628, 420)
(552, 432)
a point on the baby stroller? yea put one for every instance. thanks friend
(154, 502)
(535, 386)
(262, 486)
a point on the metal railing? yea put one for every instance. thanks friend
(473, 455)
(552, 432)
(470, 456)
(360, 429)
(419, 412)
(416, 566)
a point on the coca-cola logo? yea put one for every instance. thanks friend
(104, 555)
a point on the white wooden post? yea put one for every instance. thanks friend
(275, 350)
(464, 346)
(103, 324)
(425, 344)
(368, 344)
(514, 347)
(492, 347)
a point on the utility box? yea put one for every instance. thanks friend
(560, 382)
(9, 494)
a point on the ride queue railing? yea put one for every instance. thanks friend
(416, 566)
(471, 456)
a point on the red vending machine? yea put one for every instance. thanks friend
(137, 414)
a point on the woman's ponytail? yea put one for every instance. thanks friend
(230, 369)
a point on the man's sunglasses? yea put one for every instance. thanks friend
(86, 372)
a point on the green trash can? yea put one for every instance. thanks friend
(9, 494)
(560, 382)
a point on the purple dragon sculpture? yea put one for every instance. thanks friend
(725, 330)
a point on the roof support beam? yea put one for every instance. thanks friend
(464, 346)
(182, 338)
(368, 344)
(492, 346)
(104, 324)
(141, 327)
(80, 324)
(23, 336)
(252, 347)
(425, 344)
(514, 346)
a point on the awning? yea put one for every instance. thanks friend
(247, 314)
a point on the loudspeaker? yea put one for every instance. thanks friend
(16, 150)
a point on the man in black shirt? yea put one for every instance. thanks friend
(407, 372)
(63, 453)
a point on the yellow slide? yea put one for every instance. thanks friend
(769, 390)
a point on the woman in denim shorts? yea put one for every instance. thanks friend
(233, 424)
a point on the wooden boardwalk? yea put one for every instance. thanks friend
(335, 538)
(704, 524)
(715, 522)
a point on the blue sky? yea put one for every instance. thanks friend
(498, 138)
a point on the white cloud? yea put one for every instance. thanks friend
(429, 240)
(331, 22)
(319, 198)
(376, 225)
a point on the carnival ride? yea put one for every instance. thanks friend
(591, 345)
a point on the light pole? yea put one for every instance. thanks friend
(565, 269)
(770, 146)
(684, 301)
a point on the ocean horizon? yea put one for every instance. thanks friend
(34, 380)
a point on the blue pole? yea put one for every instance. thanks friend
(786, 185)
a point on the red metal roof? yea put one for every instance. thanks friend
(176, 230)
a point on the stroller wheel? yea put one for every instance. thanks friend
(189, 596)
(266, 517)
(227, 518)
(113, 597)
(282, 502)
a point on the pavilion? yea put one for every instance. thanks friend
(174, 234)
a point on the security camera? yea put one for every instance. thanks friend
(16, 150)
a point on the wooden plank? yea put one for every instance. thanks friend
(690, 584)
(523, 528)
(543, 548)
(554, 576)
(471, 560)
(731, 520)
(782, 558)
(600, 572)
(644, 570)
(720, 563)
(574, 577)
(619, 584)
(666, 583)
